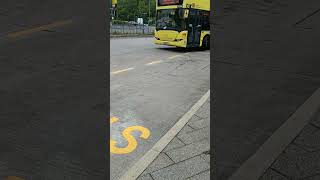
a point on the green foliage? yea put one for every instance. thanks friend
(115, 21)
(130, 10)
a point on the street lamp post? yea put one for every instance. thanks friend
(149, 14)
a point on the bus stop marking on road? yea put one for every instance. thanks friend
(127, 134)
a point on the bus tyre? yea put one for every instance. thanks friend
(206, 42)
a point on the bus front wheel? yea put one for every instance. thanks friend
(206, 42)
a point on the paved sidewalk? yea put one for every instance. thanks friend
(187, 156)
(301, 158)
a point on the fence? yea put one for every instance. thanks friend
(131, 29)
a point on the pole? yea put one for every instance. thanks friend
(149, 14)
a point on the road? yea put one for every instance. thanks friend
(263, 72)
(151, 87)
(53, 94)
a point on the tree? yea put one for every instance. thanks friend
(129, 10)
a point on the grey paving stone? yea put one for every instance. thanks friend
(296, 163)
(204, 111)
(206, 157)
(195, 118)
(145, 177)
(316, 177)
(189, 151)
(182, 170)
(309, 138)
(202, 176)
(160, 162)
(272, 175)
(316, 120)
(175, 143)
(200, 123)
(186, 129)
(195, 135)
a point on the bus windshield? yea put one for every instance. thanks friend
(168, 19)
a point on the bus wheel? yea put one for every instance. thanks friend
(206, 42)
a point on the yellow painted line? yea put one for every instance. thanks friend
(13, 178)
(38, 29)
(154, 62)
(113, 120)
(175, 56)
(123, 70)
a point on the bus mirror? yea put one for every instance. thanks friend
(186, 13)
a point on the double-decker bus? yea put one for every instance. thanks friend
(183, 23)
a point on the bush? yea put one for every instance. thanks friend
(119, 22)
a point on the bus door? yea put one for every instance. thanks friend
(194, 29)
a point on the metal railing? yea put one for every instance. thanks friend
(131, 29)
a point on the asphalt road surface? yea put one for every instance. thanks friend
(53, 90)
(266, 65)
(151, 87)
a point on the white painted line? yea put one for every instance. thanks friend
(204, 53)
(123, 70)
(258, 163)
(175, 56)
(137, 169)
(154, 62)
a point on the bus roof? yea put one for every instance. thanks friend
(195, 4)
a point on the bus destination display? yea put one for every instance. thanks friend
(168, 2)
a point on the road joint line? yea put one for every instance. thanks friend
(137, 169)
(258, 163)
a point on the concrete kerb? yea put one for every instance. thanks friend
(259, 162)
(137, 169)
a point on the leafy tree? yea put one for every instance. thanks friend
(130, 10)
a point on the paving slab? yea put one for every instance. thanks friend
(202, 176)
(184, 161)
(300, 159)
(189, 150)
(182, 170)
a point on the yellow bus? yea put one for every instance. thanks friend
(183, 23)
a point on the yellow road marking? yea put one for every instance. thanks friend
(38, 29)
(172, 57)
(113, 120)
(132, 142)
(154, 62)
(120, 71)
(13, 178)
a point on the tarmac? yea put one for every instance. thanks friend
(54, 108)
(265, 66)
